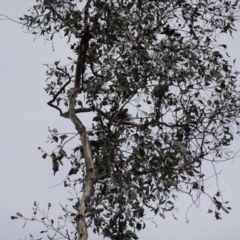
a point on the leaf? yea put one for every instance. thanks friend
(80, 103)
(209, 102)
(223, 45)
(90, 133)
(177, 109)
(19, 214)
(63, 137)
(55, 138)
(76, 149)
(54, 130)
(73, 171)
(13, 217)
(139, 226)
(225, 68)
(44, 155)
(53, 156)
(63, 153)
(161, 215)
(56, 63)
(217, 54)
(210, 211)
(24, 224)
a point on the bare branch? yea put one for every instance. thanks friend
(50, 103)
(8, 18)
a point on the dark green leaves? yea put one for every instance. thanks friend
(160, 96)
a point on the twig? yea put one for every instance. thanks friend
(8, 18)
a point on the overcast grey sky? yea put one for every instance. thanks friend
(25, 177)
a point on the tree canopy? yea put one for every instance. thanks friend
(164, 97)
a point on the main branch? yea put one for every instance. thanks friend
(90, 172)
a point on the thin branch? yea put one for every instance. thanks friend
(8, 18)
(50, 103)
(104, 114)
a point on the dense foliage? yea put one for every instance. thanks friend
(164, 95)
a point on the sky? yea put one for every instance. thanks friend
(26, 177)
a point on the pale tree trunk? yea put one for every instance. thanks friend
(90, 172)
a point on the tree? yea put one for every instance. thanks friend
(165, 101)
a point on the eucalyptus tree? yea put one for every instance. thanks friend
(162, 94)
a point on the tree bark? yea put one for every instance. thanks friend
(90, 171)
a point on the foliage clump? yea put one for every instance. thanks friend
(165, 100)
